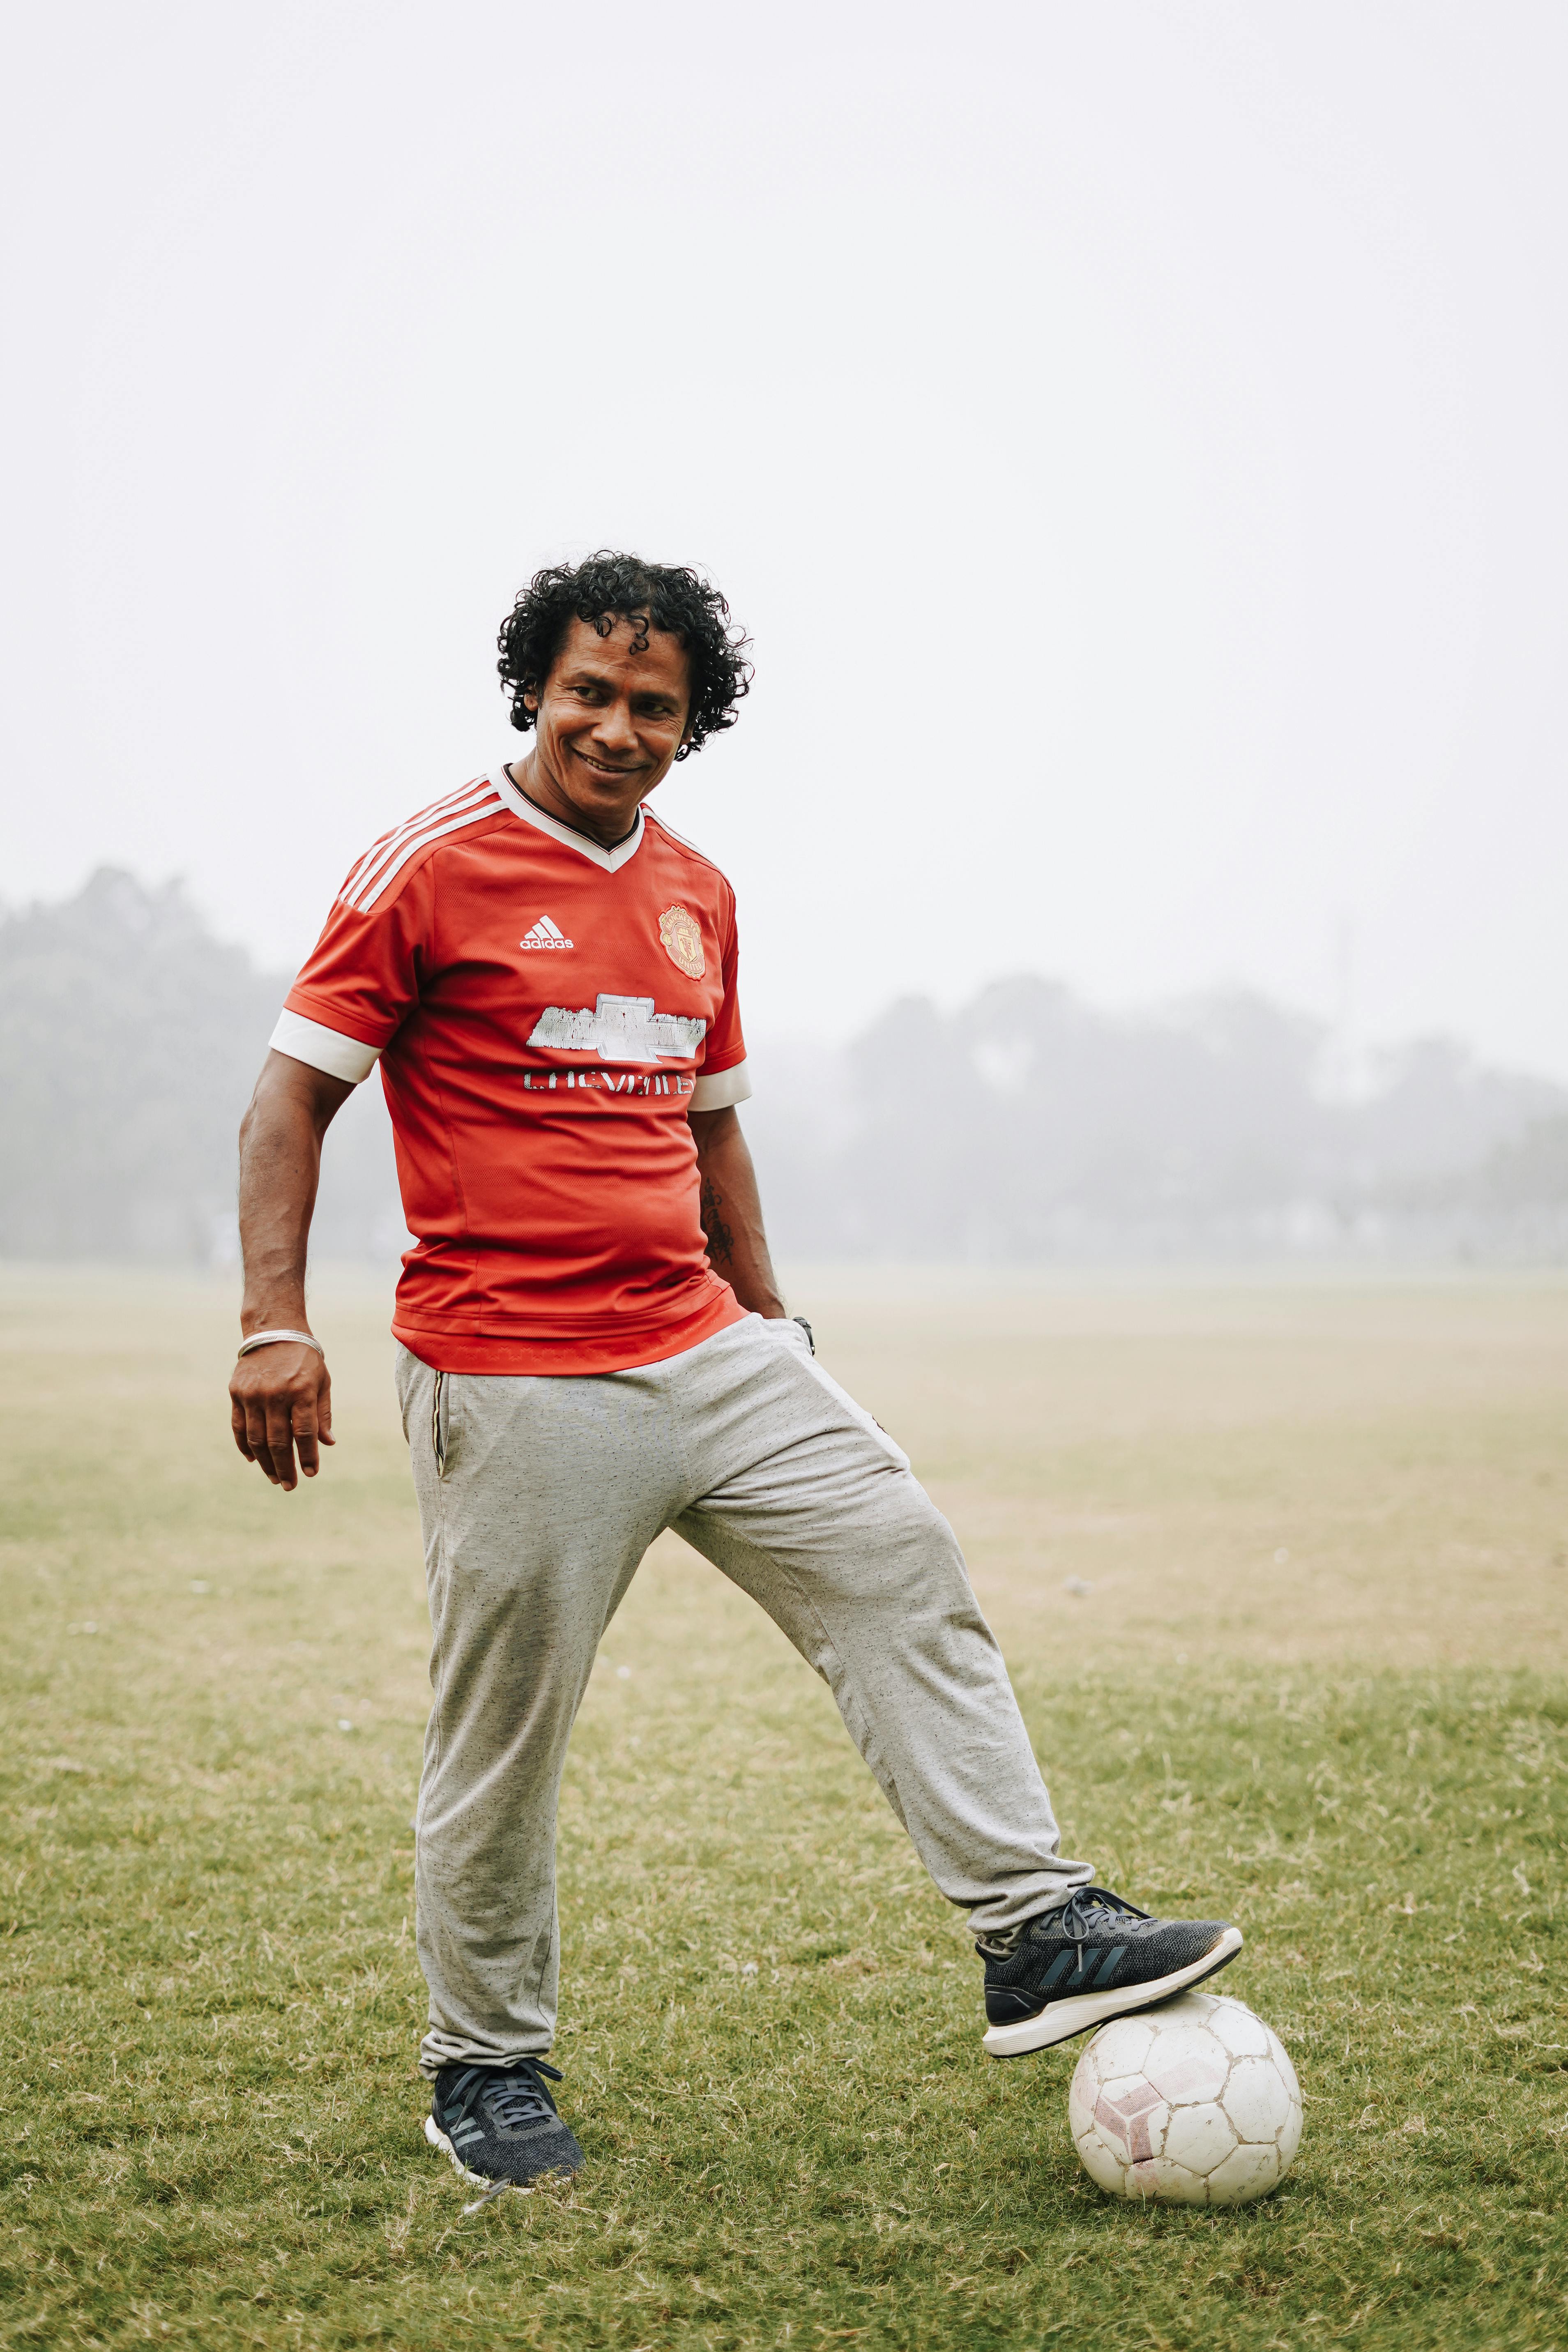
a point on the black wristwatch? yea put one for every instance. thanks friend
(810, 1334)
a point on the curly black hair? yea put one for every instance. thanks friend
(606, 588)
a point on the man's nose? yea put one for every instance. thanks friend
(614, 729)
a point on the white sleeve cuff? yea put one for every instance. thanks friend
(325, 1049)
(718, 1092)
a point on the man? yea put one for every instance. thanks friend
(593, 1348)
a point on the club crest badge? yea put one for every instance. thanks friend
(682, 938)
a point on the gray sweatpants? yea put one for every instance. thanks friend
(539, 1497)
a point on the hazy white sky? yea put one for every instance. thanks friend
(1133, 435)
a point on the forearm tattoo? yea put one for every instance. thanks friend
(720, 1239)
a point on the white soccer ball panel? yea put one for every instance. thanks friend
(1246, 2172)
(1288, 2140)
(1199, 2137)
(1101, 2163)
(1243, 2034)
(1256, 2099)
(1122, 2047)
(1193, 2007)
(1082, 2092)
(1186, 2063)
(1168, 2182)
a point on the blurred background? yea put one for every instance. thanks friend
(1132, 435)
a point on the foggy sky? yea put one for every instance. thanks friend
(1133, 436)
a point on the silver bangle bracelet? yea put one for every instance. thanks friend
(267, 1338)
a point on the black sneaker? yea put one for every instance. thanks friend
(1095, 1958)
(499, 2123)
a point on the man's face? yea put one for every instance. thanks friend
(611, 721)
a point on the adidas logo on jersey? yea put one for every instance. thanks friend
(544, 934)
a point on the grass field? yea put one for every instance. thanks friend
(1315, 1682)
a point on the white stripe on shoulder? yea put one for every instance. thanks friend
(390, 842)
(385, 841)
(375, 888)
(665, 826)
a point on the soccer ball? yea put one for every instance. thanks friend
(1194, 2103)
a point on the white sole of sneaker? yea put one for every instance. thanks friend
(438, 2140)
(1061, 2019)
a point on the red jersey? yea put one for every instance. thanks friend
(545, 1012)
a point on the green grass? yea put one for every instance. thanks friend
(770, 2023)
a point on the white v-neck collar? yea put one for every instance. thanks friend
(610, 861)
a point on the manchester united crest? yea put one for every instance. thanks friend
(682, 937)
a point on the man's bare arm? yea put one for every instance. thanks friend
(282, 1396)
(732, 1213)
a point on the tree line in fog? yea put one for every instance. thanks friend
(1025, 1127)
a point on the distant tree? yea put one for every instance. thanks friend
(130, 1040)
(1026, 1125)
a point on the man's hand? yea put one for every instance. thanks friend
(280, 1397)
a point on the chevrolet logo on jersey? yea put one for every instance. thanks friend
(619, 1029)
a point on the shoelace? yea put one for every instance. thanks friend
(1088, 1909)
(513, 2096)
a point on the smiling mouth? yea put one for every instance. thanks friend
(601, 767)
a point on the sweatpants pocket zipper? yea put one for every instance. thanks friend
(437, 1434)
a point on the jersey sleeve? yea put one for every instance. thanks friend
(359, 983)
(723, 1078)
